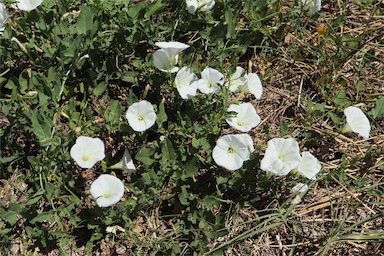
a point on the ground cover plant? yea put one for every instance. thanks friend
(191, 127)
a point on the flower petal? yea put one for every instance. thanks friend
(357, 121)
(27, 5)
(230, 152)
(87, 151)
(246, 117)
(125, 164)
(309, 166)
(186, 83)
(253, 85)
(299, 188)
(164, 62)
(107, 190)
(281, 156)
(141, 116)
(210, 81)
(4, 15)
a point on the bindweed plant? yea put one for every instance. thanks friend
(125, 111)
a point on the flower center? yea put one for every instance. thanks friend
(107, 195)
(239, 123)
(230, 150)
(85, 158)
(140, 118)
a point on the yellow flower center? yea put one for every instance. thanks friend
(85, 158)
(140, 118)
(230, 150)
(107, 195)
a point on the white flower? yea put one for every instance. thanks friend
(114, 229)
(210, 81)
(87, 151)
(166, 57)
(231, 151)
(281, 156)
(309, 166)
(237, 80)
(4, 15)
(312, 5)
(253, 85)
(246, 117)
(357, 122)
(299, 188)
(107, 190)
(141, 116)
(27, 5)
(202, 5)
(186, 83)
(248, 141)
(126, 163)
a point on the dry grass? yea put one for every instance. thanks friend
(336, 216)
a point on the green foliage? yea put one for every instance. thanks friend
(378, 110)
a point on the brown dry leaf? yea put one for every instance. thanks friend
(321, 29)
(289, 38)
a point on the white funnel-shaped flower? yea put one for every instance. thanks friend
(87, 151)
(27, 5)
(357, 122)
(211, 80)
(141, 116)
(281, 156)
(186, 83)
(231, 151)
(165, 59)
(125, 164)
(246, 117)
(309, 166)
(107, 190)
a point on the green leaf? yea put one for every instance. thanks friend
(360, 86)
(23, 81)
(378, 110)
(161, 116)
(134, 11)
(113, 112)
(33, 200)
(132, 98)
(167, 151)
(100, 88)
(144, 156)
(8, 159)
(50, 189)
(154, 8)
(41, 127)
(340, 98)
(191, 166)
(10, 216)
(283, 128)
(230, 21)
(335, 118)
(129, 77)
(5, 231)
(44, 216)
(184, 195)
(85, 20)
